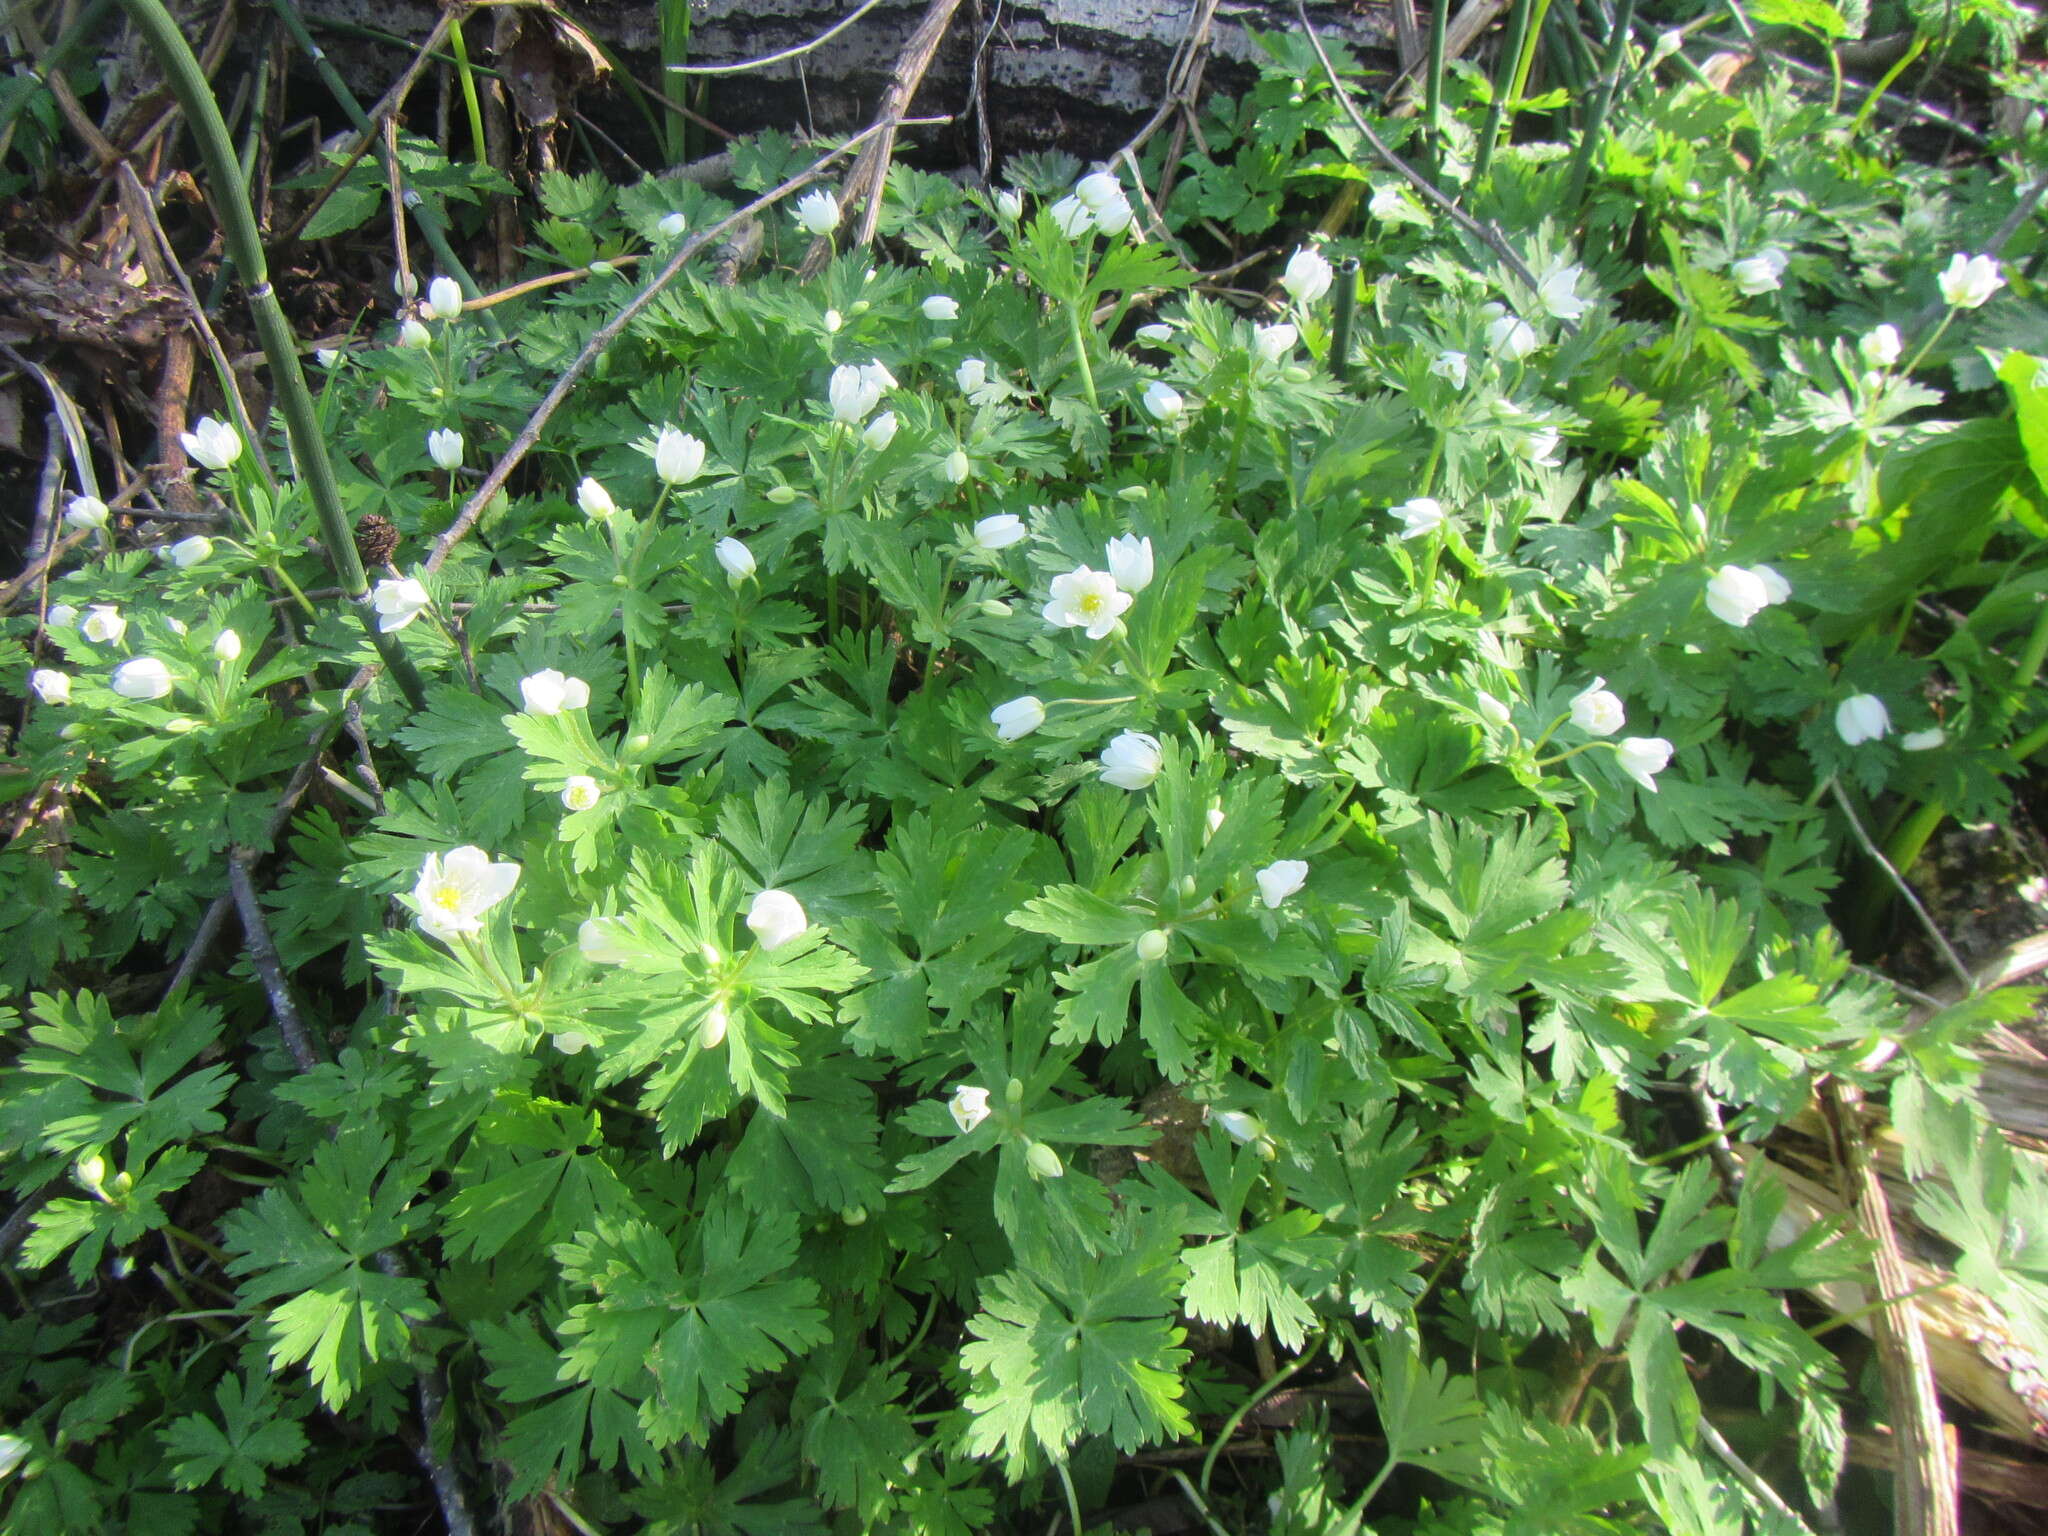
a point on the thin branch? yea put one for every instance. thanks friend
(605, 336)
(776, 58)
(1486, 234)
(1746, 1475)
(1927, 921)
(263, 956)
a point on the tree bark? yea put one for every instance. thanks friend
(1074, 75)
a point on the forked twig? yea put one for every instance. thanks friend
(1486, 234)
(605, 335)
(1864, 841)
(263, 956)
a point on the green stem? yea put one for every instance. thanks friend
(1081, 355)
(1266, 1389)
(1433, 86)
(1346, 313)
(1503, 88)
(230, 196)
(460, 49)
(1596, 117)
(1885, 83)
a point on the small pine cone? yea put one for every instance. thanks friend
(376, 540)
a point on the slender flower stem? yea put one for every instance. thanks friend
(1081, 354)
(230, 197)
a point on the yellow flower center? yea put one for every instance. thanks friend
(1089, 604)
(448, 898)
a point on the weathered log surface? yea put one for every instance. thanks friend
(1078, 75)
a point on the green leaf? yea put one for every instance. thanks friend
(682, 1327)
(241, 1447)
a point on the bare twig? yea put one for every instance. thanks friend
(1486, 234)
(141, 207)
(1720, 1150)
(778, 57)
(863, 184)
(1876, 854)
(263, 956)
(1746, 1475)
(605, 335)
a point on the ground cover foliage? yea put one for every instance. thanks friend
(997, 864)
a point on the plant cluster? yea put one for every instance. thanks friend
(1004, 857)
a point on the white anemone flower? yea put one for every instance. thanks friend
(1642, 758)
(51, 686)
(1862, 717)
(1454, 366)
(1735, 595)
(817, 213)
(1776, 588)
(1132, 760)
(1018, 718)
(602, 940)
(1881, 347)
(1281, 880)
(594, 500)
(1967, 282)
(550, 692)
(736, 559)
(775, 918)
(940, 307)
(398, 603)
(1419, 515)
(678, 457)
(1558, 293)
(444, 298)
(187, 553)
(852, 393)
(1597, 710)
(212, 444)
(1760, 273)
(580, 792)
(968, 1107)
(142, 678)
(1085, 599)
(84, 512)
(1307, 276)
(1510, 336)
(1273, 342)
(1162, 401)
(999, 531)
(104, 624)
(444, 447)
(1130, 562)
(455, 890)
(880, 432)
(1072, 217)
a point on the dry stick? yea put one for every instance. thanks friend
(865, 179)
(135, 197)
(280, 816)
(366, 140)
(776, 58)
(1486, 234)
(1924, 1478)
(605, 335)
(263, 956)
(1746, 1475)
(1193, 41)
(1863, 839)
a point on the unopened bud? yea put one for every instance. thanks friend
(1045, 1162)
(1152, 944)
